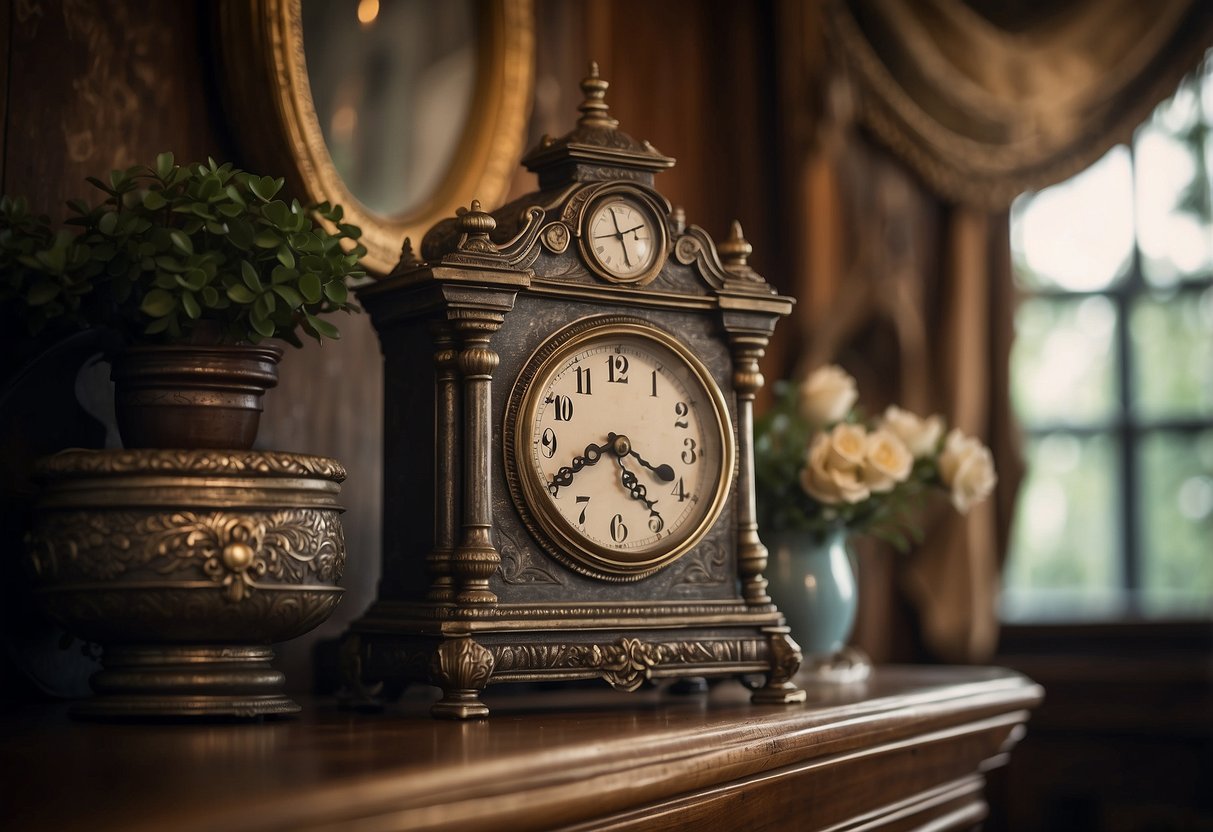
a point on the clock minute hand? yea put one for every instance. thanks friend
(637, 491)
(615, 220)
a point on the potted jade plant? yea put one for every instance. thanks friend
(196, 268)
(823, 473)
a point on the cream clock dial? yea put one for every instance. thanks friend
(623, 239)
(623, 447)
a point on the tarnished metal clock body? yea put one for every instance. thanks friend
(568, 467)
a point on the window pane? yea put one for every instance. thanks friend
(1065, 547)
(1173, 194)
(1173, 355)
(1062, 365)
(1177, 523)
(1078, 234)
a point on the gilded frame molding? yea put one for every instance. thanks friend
(269, 101)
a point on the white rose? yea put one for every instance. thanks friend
(848, 445)
(887, 461)
(966, 467)
(920, 435)
(827, 477)
(827, 396)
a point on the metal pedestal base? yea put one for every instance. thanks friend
(190, 681)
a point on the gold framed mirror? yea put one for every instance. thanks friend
(399, 110)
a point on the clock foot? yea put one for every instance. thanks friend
(461, 667)
(778, 693)
(785, 659)
(459, 704)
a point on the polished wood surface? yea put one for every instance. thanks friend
(905, 749)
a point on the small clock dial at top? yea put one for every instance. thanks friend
(626, 447)
(622, 238)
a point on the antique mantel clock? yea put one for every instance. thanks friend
(568, 470)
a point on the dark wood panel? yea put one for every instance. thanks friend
(101, 85)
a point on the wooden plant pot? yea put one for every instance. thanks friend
(192, 396)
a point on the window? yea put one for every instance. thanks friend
(1112, 379)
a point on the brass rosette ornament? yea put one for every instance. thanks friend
(185, 566)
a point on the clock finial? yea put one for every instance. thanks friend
(476, 225)
(735, 250)
(594, 107)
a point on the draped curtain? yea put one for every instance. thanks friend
(928, 118)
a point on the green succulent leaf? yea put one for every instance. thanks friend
(278, 213)
(164, 165)
(265, 187)
(267, 238)
(240, 294)
(322, 327)
(293, 299)
(154, 200)
(263, 326)
(157, 303)
(309, 286)
(190, 304)
(181, 242)
(336, 291)
(157, 326)
(249, 275)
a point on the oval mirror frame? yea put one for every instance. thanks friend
(269, 102)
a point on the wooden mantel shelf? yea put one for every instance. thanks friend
(905, 750)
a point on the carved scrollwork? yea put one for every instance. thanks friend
(703, 566)
(556, 237)
(686, 249)
(233, 549)
(130, 612)
(627, 663)
(785, 658)
(167, 461)
(517, 567)
(462, 664)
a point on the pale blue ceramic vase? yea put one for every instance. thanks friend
(812, 581)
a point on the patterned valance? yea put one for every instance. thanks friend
(986, 100)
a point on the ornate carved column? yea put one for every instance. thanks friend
(476, 558)
(475, 313)
(748, 342)
(447, 473)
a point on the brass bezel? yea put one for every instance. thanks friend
(269, 95)
(651, 208)
(529, 495)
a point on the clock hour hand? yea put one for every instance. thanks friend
(590, 456)
(664, 472)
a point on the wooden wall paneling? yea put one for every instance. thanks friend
(96, 86)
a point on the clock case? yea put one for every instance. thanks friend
(468, 596)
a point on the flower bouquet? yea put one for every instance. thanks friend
(819, 465)
(823, 473)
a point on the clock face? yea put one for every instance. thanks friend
(623, 447)
(623, 239)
